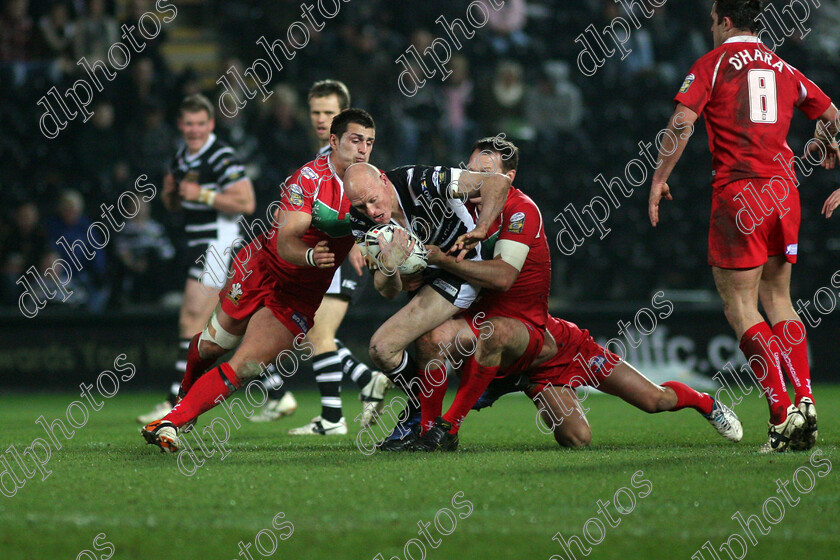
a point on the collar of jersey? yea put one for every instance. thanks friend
(742, 39)
(193, 157)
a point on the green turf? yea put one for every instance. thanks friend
(345, 505)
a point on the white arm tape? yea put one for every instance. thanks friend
(512, 252)
(222, 338)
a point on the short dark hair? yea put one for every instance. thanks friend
(346, 117)
(743, 13)
(325, 88)
(196, 103)
(498, 145)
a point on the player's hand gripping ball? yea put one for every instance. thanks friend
(387, 251)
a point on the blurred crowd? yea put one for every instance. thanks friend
(517, 75)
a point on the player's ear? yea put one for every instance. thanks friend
(333, 141)
(511, 174)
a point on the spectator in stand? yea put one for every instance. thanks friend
(283, 138)
(143, 251)
(153, 141)
(457, 98)
(23, 245)
(56, 37)
(507, 27)
(95, 33)
(69, 225)
(15, 32)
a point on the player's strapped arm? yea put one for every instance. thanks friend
(291, 247)
(236, 198)
(500, 273)
(493, 190)
(670, 152)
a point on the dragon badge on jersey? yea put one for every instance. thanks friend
(235, 293)
(687, 83)
(517, 222)
(309, 173)
(296, 196)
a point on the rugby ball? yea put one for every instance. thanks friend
(413, 263)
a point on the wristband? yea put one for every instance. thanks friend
(207, 197)
(310, 257)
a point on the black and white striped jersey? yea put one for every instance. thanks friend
(214, 167)
(428, 198)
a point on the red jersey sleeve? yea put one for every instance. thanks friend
(522, 223)
(696, 89)
(298, 192)
(812, 100)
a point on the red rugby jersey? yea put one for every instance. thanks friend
(316, 190)
(527, 299)
(747, 94)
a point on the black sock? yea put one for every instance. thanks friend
(352, 367)
(180, 369)
(328, 374)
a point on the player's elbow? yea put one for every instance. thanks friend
(504, 282)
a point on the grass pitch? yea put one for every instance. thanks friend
(342, 504)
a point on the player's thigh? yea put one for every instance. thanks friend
(561, 411)
(738, 288)
(630, 385)
(424, 312)
(549, 350)
(445, 341)
(775, 280)
(328, 318)
(198, 305)
(265, 337)
(510, 338)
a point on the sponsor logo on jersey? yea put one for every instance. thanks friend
(596, 363)
(687, 83)
(309, 173)
(792, 249)
(438, 177)
(517, 222)
(445, 286)
(300, 321)
(349, 284)
(235, 293)
(296, 196)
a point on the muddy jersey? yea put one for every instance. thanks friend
(747, 95)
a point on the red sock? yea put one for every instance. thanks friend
(432, 406)
(196, 365)
(795, 364)
(474, 381)
(765, 364)
(688, 397)
(206, 393)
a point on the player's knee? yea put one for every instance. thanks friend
(427, 344)
(208, 349)
(320, 340)
(380, 349)
(577, 436)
